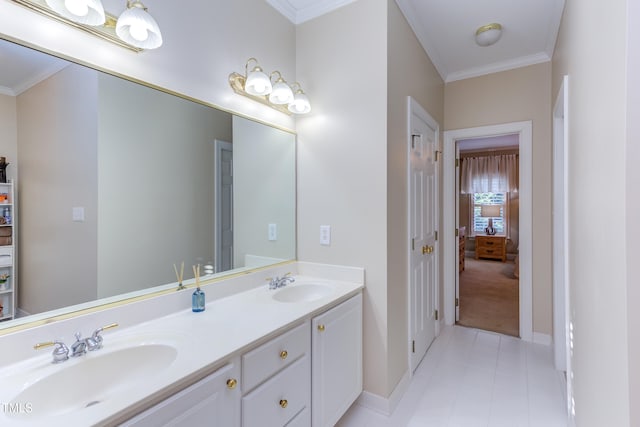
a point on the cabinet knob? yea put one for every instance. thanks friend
(283, 403)
(283, 354)
(321, 328)
(232, 383)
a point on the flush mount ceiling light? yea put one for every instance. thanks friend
(488, 34)
(272, 91)
(135, 29)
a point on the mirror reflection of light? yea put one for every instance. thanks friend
(77, 7)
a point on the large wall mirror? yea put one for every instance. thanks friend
(117, 181)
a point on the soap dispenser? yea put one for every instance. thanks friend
(197, 299)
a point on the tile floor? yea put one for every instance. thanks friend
(475, 378)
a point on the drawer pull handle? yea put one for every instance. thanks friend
(283, 403)
(489, 251)
(321, 328)
(283, 354)
(489, 243)
(232, 383)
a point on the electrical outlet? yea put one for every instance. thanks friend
(273, 232)
(325, 235)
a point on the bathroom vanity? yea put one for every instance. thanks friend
(255, 357)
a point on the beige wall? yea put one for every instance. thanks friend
(155, 184)
(596, 65)
(57, 257)
(9, 133)
(352, 162)
(517, 95)
(342, 158)
(410, 73)
(264, 188)
(199, 51)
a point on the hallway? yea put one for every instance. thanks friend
(474, 378)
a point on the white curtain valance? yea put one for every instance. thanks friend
(489, 174)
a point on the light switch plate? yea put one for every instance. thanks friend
(325, 235)
(77, 214)
(273, 232)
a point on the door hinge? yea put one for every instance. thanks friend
(456, 232)
(457, 302)
(437, 155)
(413, 244)
(413, 140)
(436, 235)
(436, 314)
(457, 162)
(413, 346)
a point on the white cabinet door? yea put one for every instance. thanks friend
(336, 359)
(213, 401)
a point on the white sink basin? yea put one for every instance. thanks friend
(303, 292)
(93, 379)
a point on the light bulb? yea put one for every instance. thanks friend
(77, 7)
(139, 32)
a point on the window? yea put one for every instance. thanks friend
(479, 222)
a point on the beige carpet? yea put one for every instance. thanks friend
(489, 296)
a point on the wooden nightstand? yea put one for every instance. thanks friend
(494, 247)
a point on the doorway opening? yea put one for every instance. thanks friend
(487, 286)
(450, 218)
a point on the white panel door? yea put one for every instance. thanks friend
(422, 233)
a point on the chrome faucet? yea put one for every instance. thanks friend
(279, 282)
(80, 347)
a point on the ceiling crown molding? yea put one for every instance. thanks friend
(298, 15)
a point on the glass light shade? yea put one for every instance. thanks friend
(88, 12)
(136, 27)
(300, 103)
(281, 94)
(258, 83)
(488, 34)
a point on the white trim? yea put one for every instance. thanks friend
(315, 9)
(562, 320)
(4, 90)
(496, 67)
(540, 338)
(380, 404)
(413, 107)
(450, 244)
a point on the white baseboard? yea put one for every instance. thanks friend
(385, 406)
(544, 339)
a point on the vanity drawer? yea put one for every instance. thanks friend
(6, 256)
(279, 400)
(266, 360)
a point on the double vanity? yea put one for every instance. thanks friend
(255, 357)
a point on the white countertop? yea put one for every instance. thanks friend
(204, 341)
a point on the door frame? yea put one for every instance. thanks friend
(561, 243)
(413, 107)
(450, 243)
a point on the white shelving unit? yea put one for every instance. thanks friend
(8, 285)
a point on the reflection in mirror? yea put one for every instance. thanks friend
(116, 182)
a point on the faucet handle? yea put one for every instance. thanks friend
(95, 342)
(79, 347)
(60, 352)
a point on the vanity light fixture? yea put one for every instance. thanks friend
(272, 91)
(88, 12)
(488, 34)
(134, 29)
